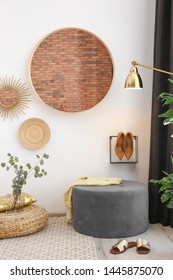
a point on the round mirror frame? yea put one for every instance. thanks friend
(71, 70)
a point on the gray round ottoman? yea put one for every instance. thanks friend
(110, 211)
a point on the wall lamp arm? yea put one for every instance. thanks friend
(135, 63)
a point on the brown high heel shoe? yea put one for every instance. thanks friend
(128, 145)
(119, 147)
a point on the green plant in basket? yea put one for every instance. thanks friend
(22, 173)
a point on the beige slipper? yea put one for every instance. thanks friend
(122, 246)
(142, 246)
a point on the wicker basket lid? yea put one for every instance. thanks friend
(34, 133)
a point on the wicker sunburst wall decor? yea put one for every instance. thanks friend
(14, 97)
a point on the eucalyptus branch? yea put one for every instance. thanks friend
(21, 174)
(32, 168)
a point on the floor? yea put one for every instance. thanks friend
(159, 237)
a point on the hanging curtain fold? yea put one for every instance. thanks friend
(161, 147)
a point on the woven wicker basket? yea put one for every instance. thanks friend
(24, 221)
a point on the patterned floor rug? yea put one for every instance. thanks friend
(57, 241)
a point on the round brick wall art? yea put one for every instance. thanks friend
(71, 70)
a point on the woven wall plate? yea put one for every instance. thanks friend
(34, 133)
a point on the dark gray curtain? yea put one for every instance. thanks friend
(161, 143)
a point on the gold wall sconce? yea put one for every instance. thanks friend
(134, 81)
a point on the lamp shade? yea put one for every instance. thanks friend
(133, 80)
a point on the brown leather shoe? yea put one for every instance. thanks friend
(128, 145)
(119, 147)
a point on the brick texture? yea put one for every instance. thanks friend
(71, 70)
(8, 97)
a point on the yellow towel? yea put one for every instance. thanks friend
(85, 181)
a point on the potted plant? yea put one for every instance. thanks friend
(166, 182)
(22, 173)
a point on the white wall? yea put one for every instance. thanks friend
(79, 143)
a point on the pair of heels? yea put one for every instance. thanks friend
(124, 145)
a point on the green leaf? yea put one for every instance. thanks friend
(167, 174)
(25, 173)
(28, 165)
(16, 159)
(41, 161)
(46, 156)
(170, 204)
(3, 164)
(168, 121)
(171, 81)
(167, 114)
(165, 197)
(167, 98)
(37, 168)
(11, 162)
